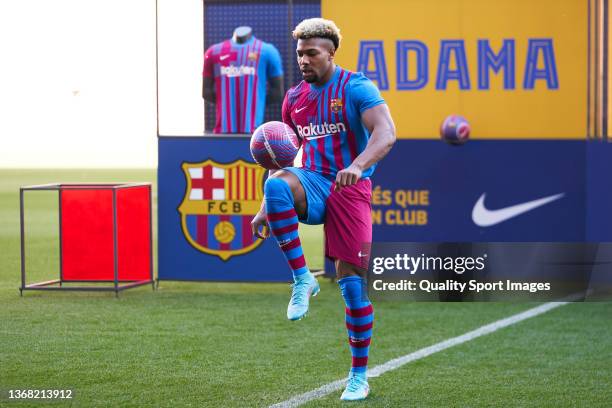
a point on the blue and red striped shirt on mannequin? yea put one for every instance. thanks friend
(240, 72)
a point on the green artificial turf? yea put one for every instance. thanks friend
(198, 344)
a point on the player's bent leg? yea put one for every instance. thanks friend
(297, 190)
(283, 221)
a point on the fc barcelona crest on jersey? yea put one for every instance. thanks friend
(219, 204)
(335, 105)
(253, 56)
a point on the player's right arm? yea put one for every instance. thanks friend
(260, 220)
(259, 224)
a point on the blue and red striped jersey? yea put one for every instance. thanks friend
(328, 120)
(240, 72)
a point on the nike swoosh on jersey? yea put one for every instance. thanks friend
(301, 109)
(317, 137)
(223, 57)
(484, 217)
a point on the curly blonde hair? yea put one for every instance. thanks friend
(318, 28)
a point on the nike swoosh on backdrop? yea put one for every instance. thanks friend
(484, 217)
(224, 57)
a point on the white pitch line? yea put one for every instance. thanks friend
(422, 353)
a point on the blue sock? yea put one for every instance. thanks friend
(284, 222)
(359, 321)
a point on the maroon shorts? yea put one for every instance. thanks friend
(348, 224)
(347, 215)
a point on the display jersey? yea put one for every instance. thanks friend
(328, 120)
(240, 72)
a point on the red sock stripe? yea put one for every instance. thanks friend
(360, 343)
(361, 312)
(284, 230)
(298, 262)
(359, 328)
(282, 215)
(293, 244)
(360, 361)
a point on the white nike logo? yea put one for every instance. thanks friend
(301, 109)
(284, 242)
(224, 57)
(486, 218)
(361, 255)
(317, 137)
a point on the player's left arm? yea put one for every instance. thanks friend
(379, 123)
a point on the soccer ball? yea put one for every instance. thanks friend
(274, 145)
(455, 130)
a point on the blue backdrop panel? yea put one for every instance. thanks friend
(269, 20)
(508, 172)
(446, 182)
(177, 258)
(599, 191)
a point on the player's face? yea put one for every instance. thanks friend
(315, 57)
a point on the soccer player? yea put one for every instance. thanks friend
(345, 128)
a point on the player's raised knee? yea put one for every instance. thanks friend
(275, 187)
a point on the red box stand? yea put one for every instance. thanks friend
(105, 236)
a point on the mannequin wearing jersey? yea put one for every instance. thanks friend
(234, 79)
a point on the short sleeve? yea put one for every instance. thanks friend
(364, 94)
(209, 70)
(275, 64)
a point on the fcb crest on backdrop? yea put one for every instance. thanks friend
(219, 204)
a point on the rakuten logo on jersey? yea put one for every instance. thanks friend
(315, 131)
(232, 71)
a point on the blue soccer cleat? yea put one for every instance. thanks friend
(303, 288)
(357, 388)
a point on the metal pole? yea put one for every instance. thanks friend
(151, 235)
(589, 135)
(61, 261)
(22, 226)
(115, 243)
(596, 100)
(157, 66)
(604, 80)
